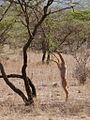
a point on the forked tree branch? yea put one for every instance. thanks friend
(21, 77)
(16, 90)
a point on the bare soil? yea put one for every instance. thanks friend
(50, 102)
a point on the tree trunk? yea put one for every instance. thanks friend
(26, 82)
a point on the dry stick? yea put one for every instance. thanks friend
(18, 91)
(62, 69)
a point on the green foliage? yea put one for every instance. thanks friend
(51, 24)
(15, 31)
(59, 25)
(51, 42)
(83, 15)
(5, 22)
(56, 26)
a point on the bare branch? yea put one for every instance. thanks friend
(60, 10)
(5, 11)
(45, 9)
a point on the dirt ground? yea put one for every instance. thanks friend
(50, 102)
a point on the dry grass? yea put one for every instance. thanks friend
(50, 102)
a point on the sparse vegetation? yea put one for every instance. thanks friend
(37, 31)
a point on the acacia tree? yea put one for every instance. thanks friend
(27, 16)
